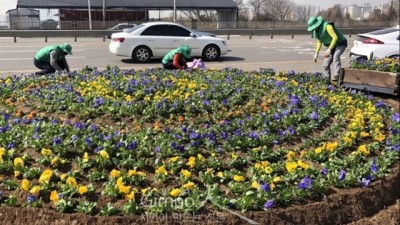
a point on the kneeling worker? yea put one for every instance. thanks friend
(176, 59)
(52, 58)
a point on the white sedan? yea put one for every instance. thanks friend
(156, 39)
(377, 44)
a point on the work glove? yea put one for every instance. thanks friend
(315, 57)
(327, 53)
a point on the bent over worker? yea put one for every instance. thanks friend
(52, 58)
(177, 58)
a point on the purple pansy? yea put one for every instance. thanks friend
(342, 175)
(269, 204)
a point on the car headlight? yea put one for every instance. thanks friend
(224, 42)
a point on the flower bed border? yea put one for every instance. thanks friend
(342, 207)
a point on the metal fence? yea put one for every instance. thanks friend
(100, 25)
(248, 28)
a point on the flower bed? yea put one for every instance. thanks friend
(132, 142)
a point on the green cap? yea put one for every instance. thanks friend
(67, 48)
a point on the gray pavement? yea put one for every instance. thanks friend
(281, 53)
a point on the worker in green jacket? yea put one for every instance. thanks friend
(52, 58)
(177, 58)
(328, 35)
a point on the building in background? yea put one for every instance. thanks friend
(23, 19)
(359, 12)
(71, 19)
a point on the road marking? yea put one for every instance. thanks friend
(31, 58)
(16, 51)
(31, 46)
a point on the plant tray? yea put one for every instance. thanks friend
(370, 80)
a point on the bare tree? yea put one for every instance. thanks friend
(203, 15)
(376, 15)
(302, 12)
(332, 14)
(244, 13)
(392, 14)
(257, 7)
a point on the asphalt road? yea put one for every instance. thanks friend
(282, 53)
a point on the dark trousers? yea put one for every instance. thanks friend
(46, 67)
(170, 66)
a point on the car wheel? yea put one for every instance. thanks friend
(211, 52)
(141, 54)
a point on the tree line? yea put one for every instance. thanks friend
(287, 10)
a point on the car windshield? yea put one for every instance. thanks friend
(129, 30)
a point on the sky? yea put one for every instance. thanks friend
(6, 5)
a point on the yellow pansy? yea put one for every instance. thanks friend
(302, 164)
(54, 196)
(17, 173)
(272, 186)
(220, 174)
(104, 154)
(186, 173)
(71, 182)
(18, 162)
(290, 155)
(54, 161)
(331, 146)
(161, 170)
(209, 170)
(25, 184)
(238, 178)
(85, 157)
(145, 190)
(347, 140)
(364, 134)
(201, 158)
(268, 170)
(35, 190)
(264, 163)
(291, 166)
(379, 137)
(63, 176)
(174, 159)
(192, 162)
(234, 156)
(363, 149)
(175, 192)
(115, 173)
(46, 176)
(276, 179)
(46, 151)
(189, 185)
(2, 151)
(124, 189)
(255, 184)
(130, 196)
(82, 190)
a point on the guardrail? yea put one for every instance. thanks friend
(104, 33)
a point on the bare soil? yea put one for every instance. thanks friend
(376, 204)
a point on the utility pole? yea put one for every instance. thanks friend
(104, 13)
(174, 10)
(90, 16)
